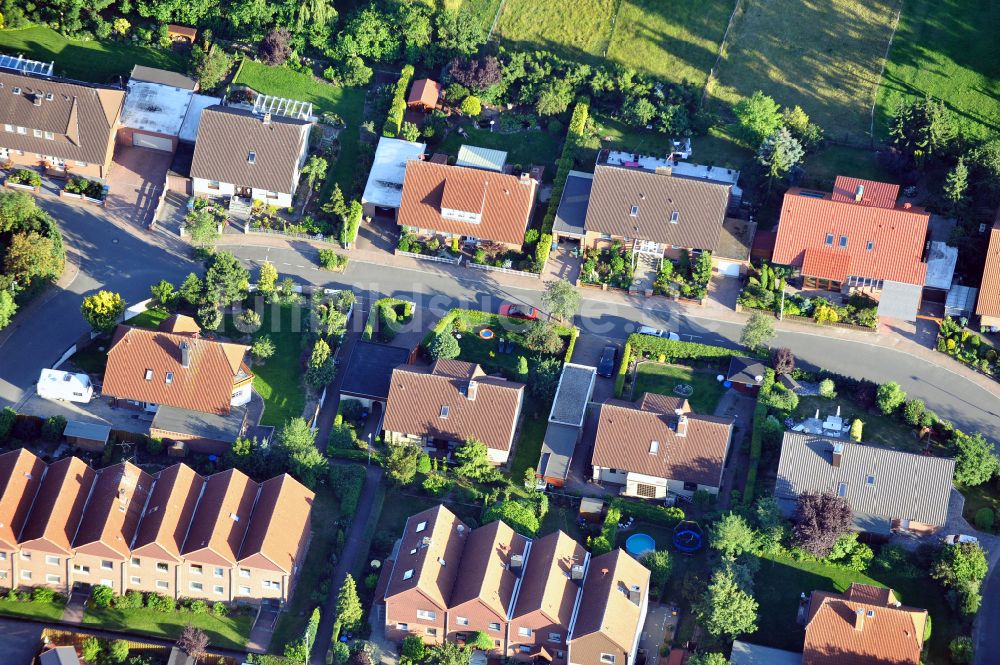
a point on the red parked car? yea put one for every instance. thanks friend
(518, 311)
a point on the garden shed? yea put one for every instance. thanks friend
(87, 436)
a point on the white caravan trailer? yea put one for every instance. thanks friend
(66, 386)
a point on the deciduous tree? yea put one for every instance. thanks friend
(783, 361)
(819, 520)
(732, 536)
(758, 116)
(401, 462)
(445, 346)
(103, 310)
(889, 397)
(193, 641)
(561, 298)
(976, 461)
(7, 308)
(757, 331)
(276, 46)
(726, 609)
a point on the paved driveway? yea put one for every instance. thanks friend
(136, 179)
(19, 641)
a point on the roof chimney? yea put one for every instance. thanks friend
(907, 205)
(681, 429)
(576, 573)
(837, 454)
(635, 594)
(859, 193)
(470, 392)
(185, 355)
(859, 619)
(37, 99)
(267, 118)
(517, 564)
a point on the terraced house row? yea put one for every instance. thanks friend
(538, 599)
(222, 538)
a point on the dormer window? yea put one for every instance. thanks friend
(675, 217)
(252, 157)
(635, 211)
(149, 374)
(37, 133)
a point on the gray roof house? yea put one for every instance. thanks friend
(888, 489)
(569, 408)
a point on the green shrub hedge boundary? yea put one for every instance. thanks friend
(606, 542)
(577, 125)
(572, 344)
(383, 308)
(757, 436)
(477, 318)
(394, 121)
(638, 346)
(647, 512)
(623, 368)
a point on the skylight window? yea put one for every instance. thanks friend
(170, 377)
(635, 211)
(842, 489)
(408, 574)
(444, 411)
(870, 246)
(421, 526)
(829, 240)
(654, 447)
(870, 480)
(843, 241)
(252, 157)
(674, 217)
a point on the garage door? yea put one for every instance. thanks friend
(729, 269)
(141, 140)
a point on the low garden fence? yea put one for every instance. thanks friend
(508, 271)
(291, 234)
(63, 194)
(429, 257)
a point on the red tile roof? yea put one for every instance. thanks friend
(826, 263)
(220, 521)
(486, 560)
(897, 234)
(113, 511)
(424, 91)
(206, 385)
(21, 473)
(168, 512)
(606, 607)
(58, 506)
(286, 502)
(418, 395)
(989, 289)
(626, 432)
(429, 537)
(505, 202)
(884, 632)
(873, 193)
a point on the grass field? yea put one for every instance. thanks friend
(348, 103)
(676, 40)
(529, 447)
(576, 29)
(823, 56)
(150, 319)
(95, 61)
(947, 49)
(224, 633)
(32, 609)
(524, 148)
(878, 429)
(660, 379)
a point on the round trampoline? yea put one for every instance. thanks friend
(687, 537)
(640, 544)
(486, 333)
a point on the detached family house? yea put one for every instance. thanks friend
(198, 389)
(57, 124)
(221, 538)
(654, 212)
(249, 155)
(988, 306)
(470, 204)
(539, 600)
(857, 238)
(449, 402)
(657, 447)
(889, 490)
(865, 625)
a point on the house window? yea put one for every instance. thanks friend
(524, 648)
(252, 157)
(608, 658)
(37, 133)
(83, 570)
(444, 412)
(3, 556)
(26, 556)
(76, 163)
(271, 584)
(462, 621)
(52, 560)
(605, 236)
(690, 487)
(402, 626)
(22, 130)
(427, 615)
(169, 378)
(495, 627)
(25, 574)
(163, 568)
(646, 491)
(421, 526)
(108, 583)
(842, 489)
(870, 480)
(53, 579)
(195, 569)
(135, 580)
(870, 246)
(213, 184)
(431, 631)
(612, 470)
(408, 574)
(8, 128)
(674, 217)
(524, 632)
(162, 584)
(218, 589)
(634, 212)
(136, 561)
(107, 565)
(3, 574)
(829, 240)
(197, 586)
(843, 242)
(244, 591)
(654, 447)
(555, 637)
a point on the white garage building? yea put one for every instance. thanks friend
(157, 109)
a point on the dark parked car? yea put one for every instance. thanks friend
(518, 311)
(607, 365)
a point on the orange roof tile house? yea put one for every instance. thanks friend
(988, 305)
(856, 238)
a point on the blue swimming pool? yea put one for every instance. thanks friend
(640, 544)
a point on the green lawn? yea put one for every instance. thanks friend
(32, 609)
(676, 40)
(91, 359)
(823, 56)
(653, 377)
(278, 380)
(150, 319)
(947, 49)
(823, 167)
(529, 447)
(576, 29)
(96, 61)
(524, 148)
(315, 570)
(348, 103)
(878, 429)
(486, 352)
(225, 633)
(986, 495)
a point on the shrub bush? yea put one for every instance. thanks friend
(827, 389)
(159, 603)
(132, 600)
(52, 428)
(43, 594)
(219, 609)
(102, 596)
(397, 109)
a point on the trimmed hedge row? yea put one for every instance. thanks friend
(577, 124)
(606, 542)
(352, 222)
(397, 109)
(652, 347)
(383, 308)
(648, 512)
(572, 344)
(623, 368)
(757, 436)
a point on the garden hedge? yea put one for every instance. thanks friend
(672, 350)
(352, 221)
(757, 436)
(623, 368)
(397, 109)
(572, 344)
(606, 542)
(383, 308)
(648, 512)
(577, 125)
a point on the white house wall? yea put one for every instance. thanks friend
(226, 189)
(241, 396)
